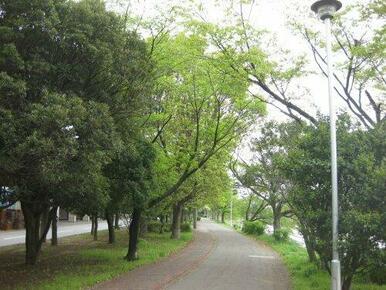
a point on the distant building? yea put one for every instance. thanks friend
(12, 218)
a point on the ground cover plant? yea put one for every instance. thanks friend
(304, 274)
(79, 262)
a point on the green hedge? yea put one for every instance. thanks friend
(254, 228)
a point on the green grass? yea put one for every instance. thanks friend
(78, 262)
(305, 275)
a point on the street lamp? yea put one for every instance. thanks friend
(325, 9)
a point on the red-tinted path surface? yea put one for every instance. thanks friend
(217, 259)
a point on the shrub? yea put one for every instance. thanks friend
(253, 228)
(377, 269)
(154, 226)
(281, 235)
(186, 227)
(198, 218)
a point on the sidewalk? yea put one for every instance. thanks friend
(157, 276)
(14, 237)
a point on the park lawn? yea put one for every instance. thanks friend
(79, 262)
(305, 275)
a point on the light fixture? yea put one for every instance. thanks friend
(326, 8)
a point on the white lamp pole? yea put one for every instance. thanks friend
(326, 10)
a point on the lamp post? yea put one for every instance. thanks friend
(325, 9)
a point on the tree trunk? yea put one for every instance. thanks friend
(110, 225)
(310, 244)
(92, 225)
(54, 228)
(162, 220)
(143, 226)
(347, 283)
(95, 228)
(176, 222)
(223, 217)
(116, 221)
(33, 237)
(32, 227)
(276, 220)
(43, 223)
(194, 218)
(133, 235)
(182, 216)
(310, 247)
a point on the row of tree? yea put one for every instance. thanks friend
(98, 121)
(290, 176)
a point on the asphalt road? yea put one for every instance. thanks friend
(65, 229)
(236, 262)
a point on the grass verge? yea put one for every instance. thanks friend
(305, 275)
(79, 262)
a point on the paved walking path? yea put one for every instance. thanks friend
(218, 259)
(65, 229)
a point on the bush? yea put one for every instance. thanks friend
(253, 228)
(377, 269)
(281, 235)
(154, 226)
(186, 227)
(198, 218)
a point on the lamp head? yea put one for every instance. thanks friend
(326, 8)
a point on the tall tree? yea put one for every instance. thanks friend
(361, 180)
(65, 74)
(206, 112)
(263, 176)
(360, 78)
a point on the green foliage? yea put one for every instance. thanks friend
(154, 226)
(71, 77)
(304, 274)
(253, 228)
(186, 227)
(60, 96)
(361, 163)
(281, 234)
(377, 269)
(262, 176)
(200, 112)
